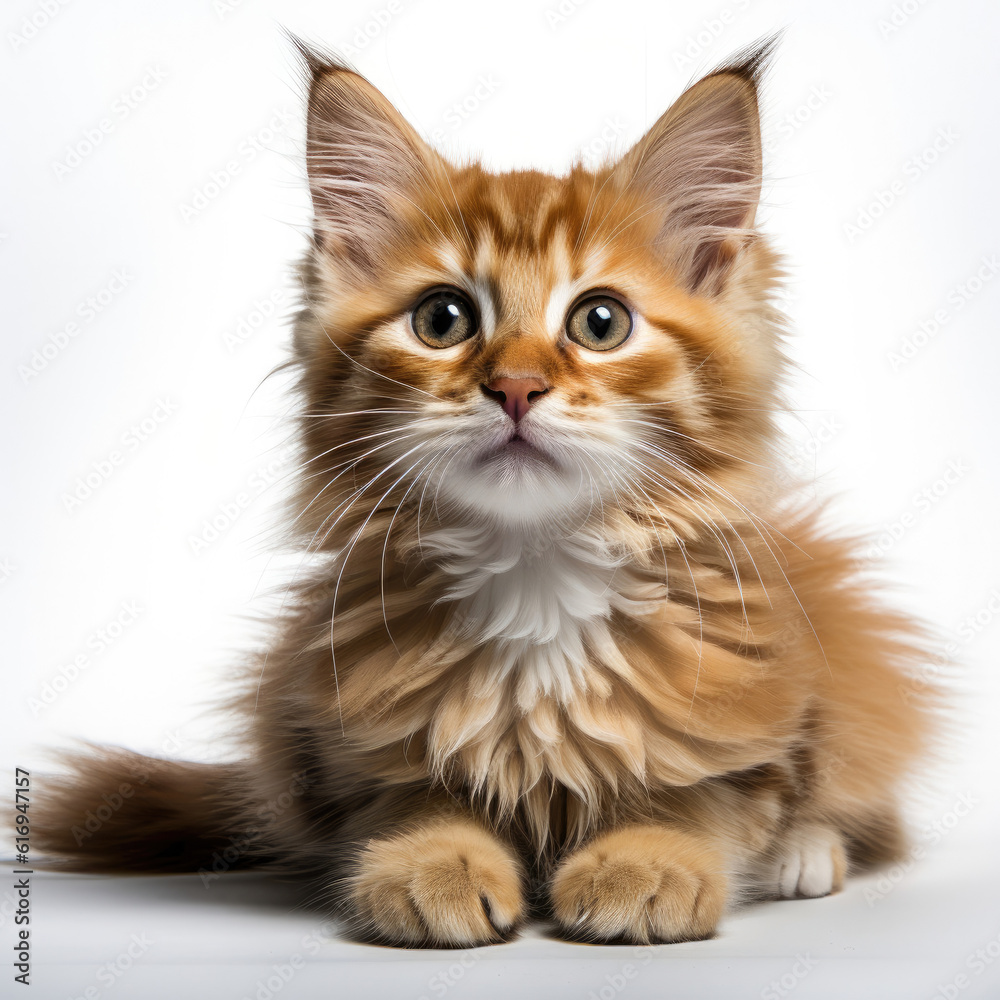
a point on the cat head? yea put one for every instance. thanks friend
(513, 347)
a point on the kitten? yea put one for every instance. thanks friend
(567, 647)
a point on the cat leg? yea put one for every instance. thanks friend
(444, 881)
(641, 883)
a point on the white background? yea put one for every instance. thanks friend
(858, 96)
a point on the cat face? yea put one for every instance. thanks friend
(521, 346)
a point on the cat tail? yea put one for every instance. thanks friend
(113, 810)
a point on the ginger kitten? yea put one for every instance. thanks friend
(566, 648)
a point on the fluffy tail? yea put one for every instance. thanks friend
(119, 811)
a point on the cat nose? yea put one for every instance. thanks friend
(516, 395)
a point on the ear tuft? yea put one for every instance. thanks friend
(314, 58)
(364, 160)
(752, 62)
(701, 165)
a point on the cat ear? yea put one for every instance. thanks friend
(701, 163)
(364, 162)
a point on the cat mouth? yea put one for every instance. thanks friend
(519, 443)
(516, 447)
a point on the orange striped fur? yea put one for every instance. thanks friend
(590, 654)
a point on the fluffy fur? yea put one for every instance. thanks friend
(609, 669)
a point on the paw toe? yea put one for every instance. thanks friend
(639, 885)
(810, 863)
(451, 885)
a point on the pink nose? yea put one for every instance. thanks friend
(516, 395)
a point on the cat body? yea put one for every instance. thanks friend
(566, 646)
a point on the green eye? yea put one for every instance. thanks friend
(444, 318)
(599, 323)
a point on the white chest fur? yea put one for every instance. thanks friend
(540, 603)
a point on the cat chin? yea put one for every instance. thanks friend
(519, 492)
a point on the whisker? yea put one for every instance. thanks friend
(423, 491)
(371, 371)
(730, 555)
(349, 413)
(385, 547)
(701, 444)
(357, 495)
(349, 465)
(753, 519)
(459, 447)
(366, 437)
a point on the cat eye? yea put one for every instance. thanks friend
(599, 323)
(444, 318)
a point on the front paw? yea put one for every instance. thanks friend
(449, 883)
(809, 861)
(640, 884)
